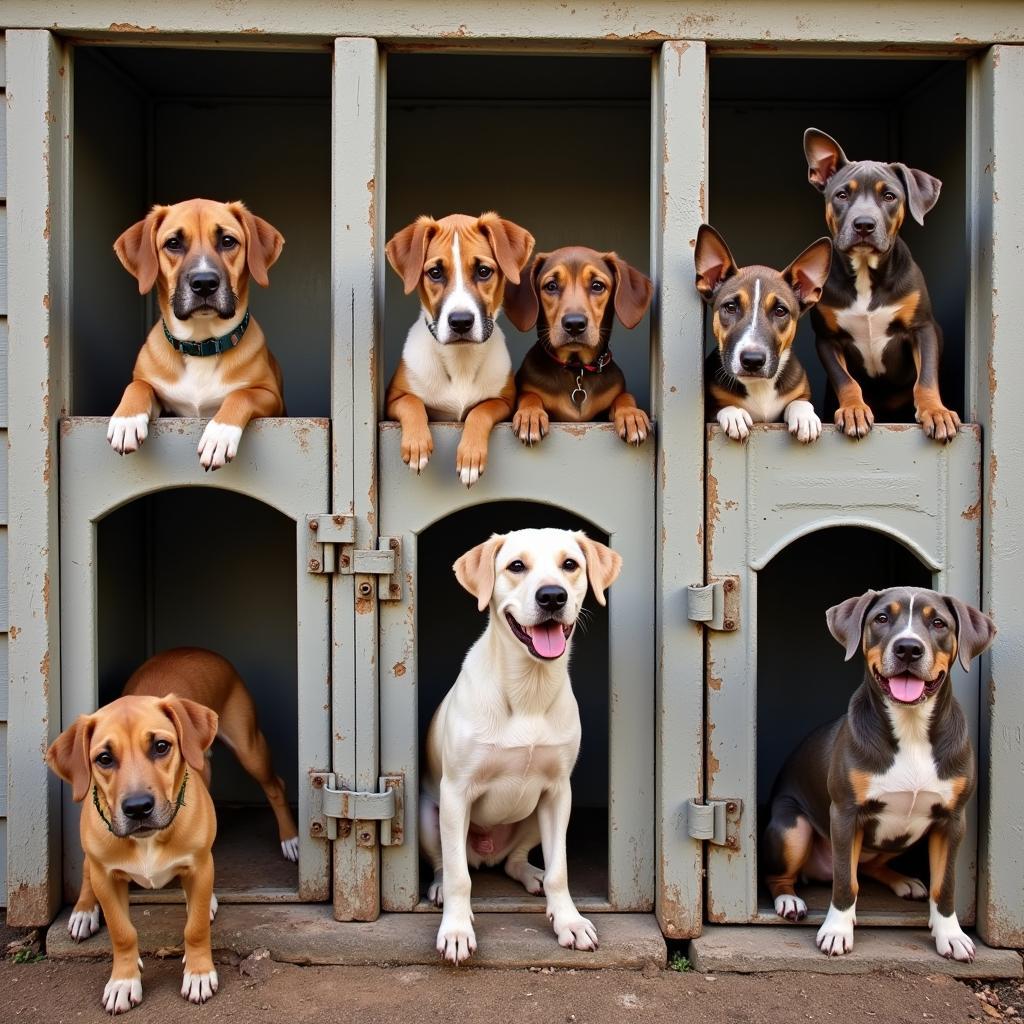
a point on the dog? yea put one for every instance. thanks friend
(752, 375)
(502, 745)
(897, 766)
(877, 338)
(212, 681)
(206, 356)
(142, 758)
(572, 295)
(455, 364)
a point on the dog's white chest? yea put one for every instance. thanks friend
(763, 401)
(200, 389)
(869, 328)
(150, 867)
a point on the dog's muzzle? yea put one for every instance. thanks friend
(203, 291)
(546, 640)
(454, 338)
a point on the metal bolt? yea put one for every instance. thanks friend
(345, 560)
(316, 828)
(318, 782)
(314, 525)
(365, 590)
(338, 520)
(365, 836)
(731, 806)
(729, 624)
(729, 585)
(314, 565)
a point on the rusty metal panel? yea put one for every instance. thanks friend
(996, 83)
(761, 497)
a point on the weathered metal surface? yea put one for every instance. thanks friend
(282, 463)
(764, 495)
(678, 205)
(997, 311)
(37, 160)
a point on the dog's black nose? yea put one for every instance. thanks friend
(863, 225)
(204, 282)
(551, 598)
(908, 650)
(138, 805)
(574, 323)
(753, 360)
(460, 321)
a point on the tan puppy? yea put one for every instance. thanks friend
(152, 819)
(206, 356)
(503, 743)
(455, 364)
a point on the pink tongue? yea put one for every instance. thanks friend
(548, 639)
(906, 688)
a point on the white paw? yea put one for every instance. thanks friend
(214, 905)
(792, 908)
(126, 433)
(83, 924)
(218, 445)
(290, 849)
(835, 936)
(736, 422)
(456, 940)
(529, 877)
(950, 939)
(469, 475)
(909, 889)
(803, 421)
(418, 465)
(574, 931)
(197, 988)
(121, 994)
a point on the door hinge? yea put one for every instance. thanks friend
(716, 605)
(716, 821)
(335, 812)
(332, 549)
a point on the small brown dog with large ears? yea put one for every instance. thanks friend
(573, 295)
(141, 760)
(206, 356)
(455, 364)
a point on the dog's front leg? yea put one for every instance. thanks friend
(129, 426)
(85, 917)
(936, 420)
(471, 455)
(854, 416)
(200, 979)
(573, 930)
(124, 990)
(632, 424)
(835, 936)
(456, 940)
(219, 443)
(943, 844)
(417, 444)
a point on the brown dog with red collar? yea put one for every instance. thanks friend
(573, 295)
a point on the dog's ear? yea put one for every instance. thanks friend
(808, 273)
(196, 726)
(633, 291)
(68, 755)
(263, 242)
(975, 631)
(846, 621)
(407, 250)
(712, 261)
(511, 244)
(475, 570)
(824, 157)
(922, 190)
(603, 565)
(521, 304)
(136, 248)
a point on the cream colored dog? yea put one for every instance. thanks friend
(503, 743)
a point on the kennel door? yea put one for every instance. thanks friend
(579, 475)
(792, 530)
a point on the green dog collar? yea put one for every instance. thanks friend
(210, 347)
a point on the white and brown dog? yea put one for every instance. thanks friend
(455, 364)
(502, 745)
(206, 356)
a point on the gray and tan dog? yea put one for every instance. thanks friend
(897, 767)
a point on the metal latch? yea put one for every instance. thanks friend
(717, 821)
(716, 605)
(331, 542)
(334, 810)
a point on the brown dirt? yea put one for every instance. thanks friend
(70, 992)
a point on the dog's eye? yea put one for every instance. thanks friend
(161, 747)
(484, 272)
(551, 286)
(842, 194)
(228, 242)
(517, 566)
(730, 307)
(881, 618)
(173, 244)
(889, 197)
(781, 311)
(598, 286)
(436, 273)
(105, 759)
(938, 624)
(570, 565)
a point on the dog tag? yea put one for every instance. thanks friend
(578, 390)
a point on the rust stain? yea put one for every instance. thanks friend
(714, 682)
(650, 36)
(46, 300)
(254, 31)
(44, 667)
(46, 597)
(700, 535)
(127, 26)
(398, 668)
(364, 605)
(46, 224)
(714, 765)
(13, 632)
(731, 505)
(972, 512)
(461, 32)
(371, 187)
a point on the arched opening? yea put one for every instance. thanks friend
(445, 610)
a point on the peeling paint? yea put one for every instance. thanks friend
(398, 668)
(972, 512)
(127, 26)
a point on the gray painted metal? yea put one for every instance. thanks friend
(618, 500)
(281, 462)
(997, 220)
(763, 496)
(4, 669)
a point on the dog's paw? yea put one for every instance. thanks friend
(529, 877)
(530, 425)
(803, 421)
(950, 939)
(632, 425)
(855, 419)
(199, 986)
(121, 994)
(938, 422)
(126, 433)
(574, 931)
(835, 936)
(214, 905)
(792, 908)
(435, 891)
(290, 849)
(736, 422)
(456, 940)
(909, 888)
(218, 445)
(83, 924)
(470, 462)
(417, 447)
